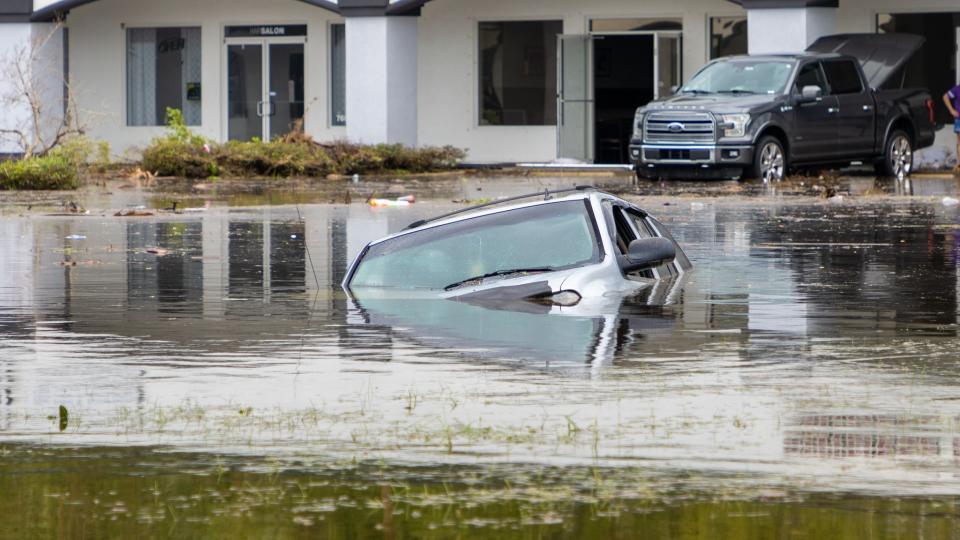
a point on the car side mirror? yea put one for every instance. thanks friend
(810, 94)
(647, 253)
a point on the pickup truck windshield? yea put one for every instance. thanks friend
(553, 236)
(741, 77)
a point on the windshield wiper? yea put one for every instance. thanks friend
(738, 92)
(695, 91)
(499, 273)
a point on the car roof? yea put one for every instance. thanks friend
(785, 56)
(504, 205)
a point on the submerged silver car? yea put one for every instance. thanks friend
(558, 247)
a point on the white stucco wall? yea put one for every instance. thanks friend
(448, 60)
(97, 60)
(788, 30)
(13, 37)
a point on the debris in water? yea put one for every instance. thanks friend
(64, 418)
(950, 201)
(158, 251)
(406, 200)
(76, 237)
(133, 212)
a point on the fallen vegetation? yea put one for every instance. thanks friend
(182, 153)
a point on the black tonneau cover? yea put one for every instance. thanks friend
(880, 55)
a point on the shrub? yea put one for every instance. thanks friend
(180, 152)
(351, 158)
(170, 157)
(276, 158)
(53, 171)
(396, 157)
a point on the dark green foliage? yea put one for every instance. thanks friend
(180, 152)
(170, 157)
(53, 171)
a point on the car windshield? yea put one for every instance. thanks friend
(740, 76)
(540, 238)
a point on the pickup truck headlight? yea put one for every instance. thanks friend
(638, 125)
(734, 125)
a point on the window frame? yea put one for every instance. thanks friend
(331, 121)
(478, 67)
(856, 69)
(827, 91)
(709, 32)
(125, 29)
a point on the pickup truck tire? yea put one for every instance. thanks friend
(769, 160)
(897, 160)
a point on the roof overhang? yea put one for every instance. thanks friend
(347, 8)
(14, 11)
(781, 4)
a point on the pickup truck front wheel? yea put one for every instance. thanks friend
(769, 160)
(897, 157)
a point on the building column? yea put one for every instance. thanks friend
(382, 79)
(788, 26)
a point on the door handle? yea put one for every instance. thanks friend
(260, 109)
(833, 110)
(273, 108)
(867, 108)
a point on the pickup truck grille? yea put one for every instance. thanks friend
(681, 127)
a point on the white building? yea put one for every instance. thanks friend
(509, 80)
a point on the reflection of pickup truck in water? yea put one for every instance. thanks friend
(757, 116)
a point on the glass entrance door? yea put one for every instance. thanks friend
(574, 102)
(265, 89)
(603, 77)
(244, 91)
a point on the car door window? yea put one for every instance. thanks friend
(843, 77)
(811, 75)
(629, 225)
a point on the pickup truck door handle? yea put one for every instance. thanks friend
(833, 110)
(867, 107)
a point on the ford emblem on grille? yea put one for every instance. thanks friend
(676, 127)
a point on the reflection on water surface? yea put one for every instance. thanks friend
(813, 349)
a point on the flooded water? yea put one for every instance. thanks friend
(803, 380)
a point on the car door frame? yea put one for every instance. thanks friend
(669, 270)
(814, 134)
(856, 117)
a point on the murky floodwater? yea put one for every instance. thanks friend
(805, 373)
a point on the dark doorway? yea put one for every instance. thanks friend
(623, 80)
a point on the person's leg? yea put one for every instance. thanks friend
(957, 166)
(956, 129)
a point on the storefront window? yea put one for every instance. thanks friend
(935, 66)
(338, 75)
(728, 36)
(163, 70)
(518, 73)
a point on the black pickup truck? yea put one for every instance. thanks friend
(841, 102)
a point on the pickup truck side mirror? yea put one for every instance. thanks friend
(810, 94)
(647, 253)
